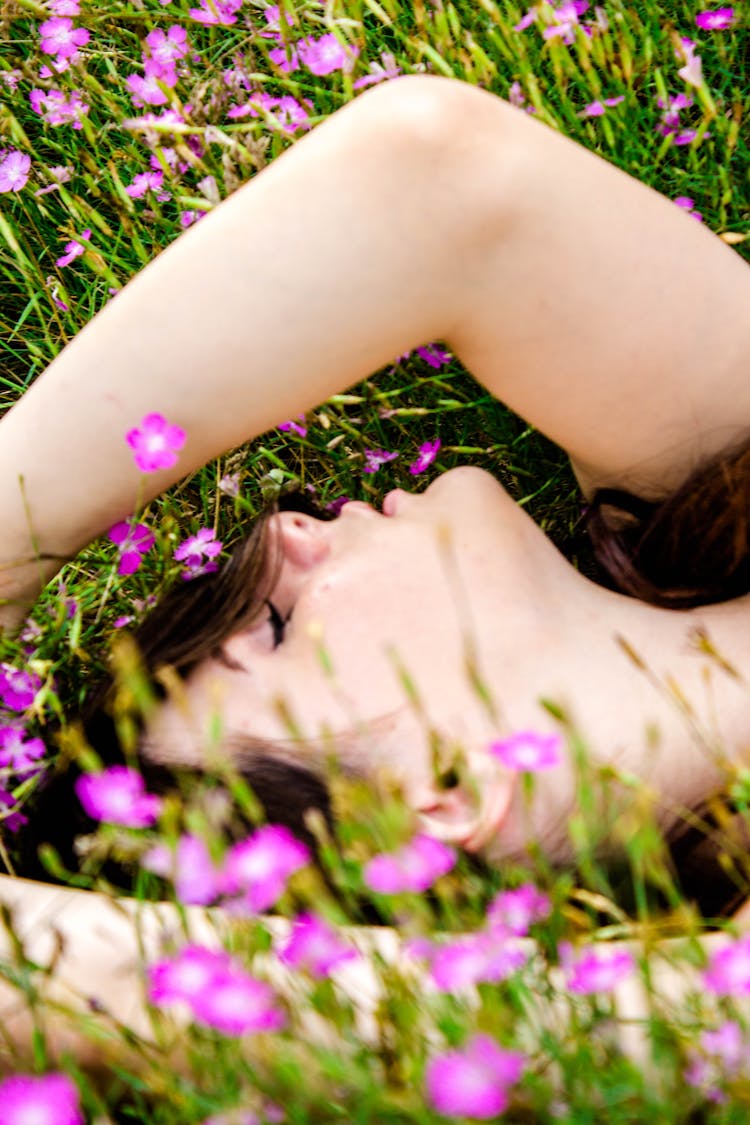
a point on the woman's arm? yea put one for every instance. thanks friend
(97, 983)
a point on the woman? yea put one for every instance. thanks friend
(372, 235)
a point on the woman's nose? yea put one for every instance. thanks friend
(305, 541)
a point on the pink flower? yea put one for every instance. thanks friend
(728, 973)
(427, 454)
(515, 911)
(336, 505)
(230, 484)
(324, 55)
(216, 11)
(197, 551)
(18, 753)
(64, 7)
(473, 1082)
(528, 751)
(692, 72)
(595, 970)
(374, 458)
(133, 542)
(14, 170)
(476, 958)
(197, 880)
(73, 249)
(56, 109)
(379, 73)
(10, 820)
(51, 1099)
(17, 688)
(60, 38)
(156, 443)
(298, 429)
(259, 867)
(315, 946)
(168, 46)
(715, 20)
(414, 868)
(186, 976)
(60, 175)
(236, 1004)
(117, 795)
(144, 182)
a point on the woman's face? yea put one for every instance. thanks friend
(381, 612)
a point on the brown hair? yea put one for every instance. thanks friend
(692, 548)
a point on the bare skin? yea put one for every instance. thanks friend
(595, 308)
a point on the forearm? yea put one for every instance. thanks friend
(334, 260)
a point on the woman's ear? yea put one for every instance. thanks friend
(470, 814)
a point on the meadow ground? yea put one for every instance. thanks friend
(121, 125)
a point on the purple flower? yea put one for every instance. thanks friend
(595, 970)
(427, 454)
(117, 795)
(156, 443)
(60, 38)
(144, 182)
(324, 55)
(197, 880)
(186, 976)
(259, 867)
(528, 751)
(236, 1004)
(218, 11)
(476, 958)
(10, 820)
(336, 505)
(14, 170)
(728, 973)
(73, 249)
(64, 7)
(197, 551)
(51, 1099)
(515, 911)
(56, 109)
(374, 458)
(17, 688)
(315, 946)
(133, 543)
(414, 868)
(473, 1082)
(168, 46)
(715, 20)
(296, 426)
(18, 753)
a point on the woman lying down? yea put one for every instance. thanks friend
(496, 256)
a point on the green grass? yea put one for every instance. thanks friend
(572, 1077)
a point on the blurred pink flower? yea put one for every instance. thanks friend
(14, 170)
(414, 868)
(64, 7)
(50, 1099)
(375, 458)
(516, 910)
(73, 249)
(324, 55)
(478, 957)
(155, 443)
(296, 426)
(237, 1004)
(596, 969)
(196, 878)
(144, 182)
(315, 946)
(56, 109)
(715, 20)
(474, 1081)
(168, 46)
(19, 753)
(18, 688)
(427, 454)
(389, 69)
(11, 821)
(728, 973)
(117, 795)
(258, 868)
(216, 11)
(185, 976)
(528, 751)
